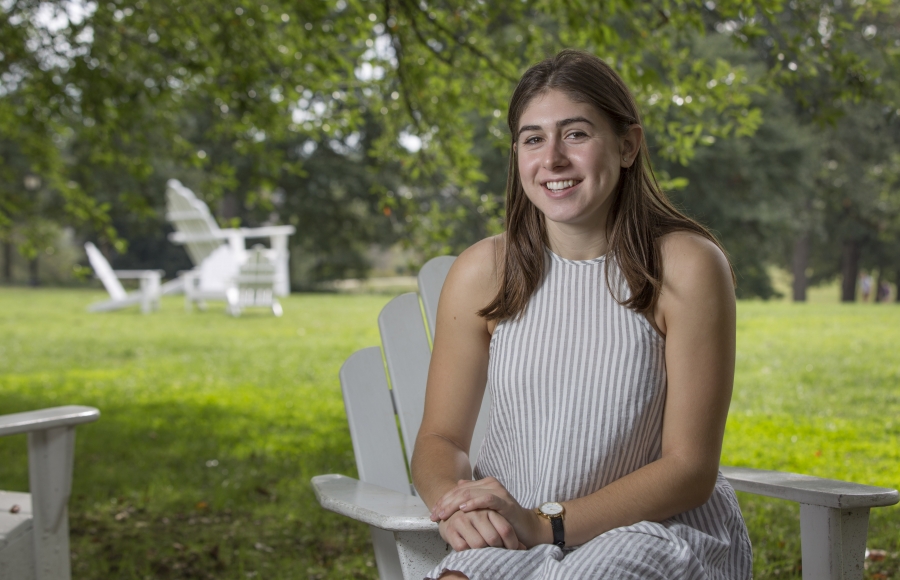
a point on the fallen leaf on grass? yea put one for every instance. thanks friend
(201, 505)
(122, 516)
(876, 555)
(263, 548)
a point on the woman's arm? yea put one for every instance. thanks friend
(456, 382)
(696, 313)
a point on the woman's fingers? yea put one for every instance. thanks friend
(479, 529)
(466, 492)
(505, 530)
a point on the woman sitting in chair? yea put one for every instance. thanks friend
(603, 321)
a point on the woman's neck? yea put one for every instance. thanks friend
(577, 243)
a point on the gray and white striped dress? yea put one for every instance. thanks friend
(578, 385)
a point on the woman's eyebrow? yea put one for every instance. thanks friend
(559, 124)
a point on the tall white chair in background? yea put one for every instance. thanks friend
(147, 296)
(217, 253)
(34, 527)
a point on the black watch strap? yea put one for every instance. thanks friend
(559, 535)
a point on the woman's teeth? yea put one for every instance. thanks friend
(557, 185)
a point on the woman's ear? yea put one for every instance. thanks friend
(630, 144)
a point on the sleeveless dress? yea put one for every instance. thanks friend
(578, 386)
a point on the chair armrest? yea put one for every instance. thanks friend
(44, 419)
(372, 504)
(830, 493)
(267, 231)
(137, 274)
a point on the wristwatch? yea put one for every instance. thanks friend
(556, 513)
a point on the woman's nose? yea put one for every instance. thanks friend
(554, 155)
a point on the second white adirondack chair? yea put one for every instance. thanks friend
(34, 527)
(147, 296)
(254, 284)
(834, 514)
(218, 253)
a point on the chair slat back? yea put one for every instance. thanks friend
(105, 272)
(431, 280)
(191, 216)
(407, 354)
(376, 442)
(373, 428)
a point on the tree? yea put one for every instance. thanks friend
(221, 92)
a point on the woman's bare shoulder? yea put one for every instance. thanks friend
(476, 269)
(689, 257)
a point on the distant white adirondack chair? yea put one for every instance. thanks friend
(217, 253)
(147, 296)
(254, 284)
(34, 527)
(834, 515)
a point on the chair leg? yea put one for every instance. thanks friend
(833, 542)
(50, 461)
(420, 552)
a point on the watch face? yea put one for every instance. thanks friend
(551, 508)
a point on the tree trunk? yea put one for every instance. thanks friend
(229, 207)
(849, 270)
(799, 264)
(33, 279)
(7, 261)
(897, 284)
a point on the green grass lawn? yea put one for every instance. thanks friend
(213, 426)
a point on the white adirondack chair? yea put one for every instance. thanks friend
(218, 253)
(254, 284)
(34, 527)
(834, 514)
(147, 296)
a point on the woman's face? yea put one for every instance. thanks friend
(569, 159)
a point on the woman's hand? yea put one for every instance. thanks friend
(471, 497)
(478, 529)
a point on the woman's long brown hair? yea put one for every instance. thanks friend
(640, 215)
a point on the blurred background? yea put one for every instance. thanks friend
(378, 128)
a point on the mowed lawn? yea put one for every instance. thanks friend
(212, 427)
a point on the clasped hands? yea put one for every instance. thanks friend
(482, 513)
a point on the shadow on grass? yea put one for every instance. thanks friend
(189, 490)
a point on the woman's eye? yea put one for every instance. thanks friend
(532, 140)
(577, 134)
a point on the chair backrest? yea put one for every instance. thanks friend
(105, 272)
(191, 216)
(374, 407)
(371, 404)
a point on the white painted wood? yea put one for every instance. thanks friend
(833, 542)
(806, 489)
(370, 414)
(420, 552)
(254, 284)
(407, 354)
(147, 296)
(34, 541)
(376, 441)
(196, 228)
(51, 456)
(68, 415)
(372, 504)
(431, 280)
